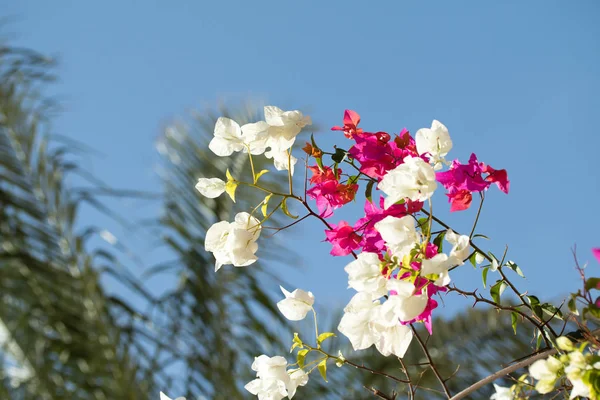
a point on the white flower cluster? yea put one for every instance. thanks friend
(366, 320)
(234, 242)
(273, 381)
(278, 133)
(582, 371)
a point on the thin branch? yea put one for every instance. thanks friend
(431, 364)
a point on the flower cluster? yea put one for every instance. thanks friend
(581, 368)
(273, 381)
(399, 261)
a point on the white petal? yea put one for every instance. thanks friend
(296, 305)
(210, 187)
(364, 275)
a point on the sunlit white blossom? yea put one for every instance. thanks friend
(165, 397)
(235, 242)
(355, 323)
(210, 187)
(296, 304)
(364, 275)
(281, 160)
(399, 234)
(229, 137)
(413, 179)
(284, 126)
(502, 393)
(435, 141)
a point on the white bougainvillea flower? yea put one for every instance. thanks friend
(546, 372)
(435, 141)
(297, 378)
(579, 389)
(403, 302)
(364, 275)
(414, 179)
(270, 367)
(210, 187)
(235, 242)
(273, 381)
(281, 161)
(296, 304)
(399, 234)
(165, 397)
(284, 126)
(461, 247)
(230, 137)
(355, 323)
(389, 335)
(502, 393)
(267, 389)
(439, 265)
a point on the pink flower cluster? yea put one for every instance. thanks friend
(462, 180)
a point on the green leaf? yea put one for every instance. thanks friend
(352, 179)
(534, 302)
(484, 274)
(228, 175)
(572, 305)
(514, 317)
(538, 342)
(369, 191)
(497, 290)
(261, 173)
(439, 241)
(285, 209)
(319, 161)
(592, 283)
(324, 336)
(552, 311)
(423, 223)
(481, 236)
(301, 357)
(296, 342)
(230, 188)
(323, 369)
(312, 141)
(265, 204)
(515, 267)
(339, 155)
(473, 260)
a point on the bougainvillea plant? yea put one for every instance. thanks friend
(398, 266)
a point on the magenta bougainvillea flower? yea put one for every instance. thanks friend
(462, 180)
(351, 121)
(343, 239)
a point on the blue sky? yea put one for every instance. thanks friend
(515, 82)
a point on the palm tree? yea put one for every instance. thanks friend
(216, 322)
(62, 337)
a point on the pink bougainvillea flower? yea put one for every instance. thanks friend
(404, 146)
(497, 176)
(459, 199)
(343, 239)
(328, 192)
(462, 180)
(322, 175)
(596, 252)
(372, 240)
(374, 153)
(351, 121)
